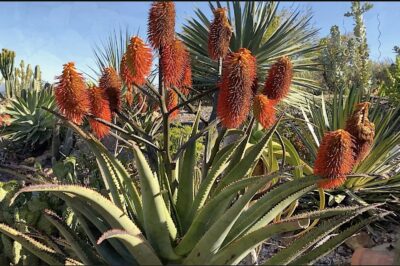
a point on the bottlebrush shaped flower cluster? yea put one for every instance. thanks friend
(234, 100)
(186, 81)
(136, 62)
(334, 158)
(72, 95)
(264, 110)
(174, 58)
(220, 35)
(100, 108)
(110, 83)
(161, 24)
(279, 79)
(5, 120)
(341, 150)
(276, 87)
(362, 130)
(175, 68)
(239, 87)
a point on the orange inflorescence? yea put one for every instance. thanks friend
(362, 130)
(136, 62)
(100, 108)
(110, 83)
(234, 99)
(173, 60)
(264, 110)
(72, 95)
(161, 23)
(186, 81)
(5, 120)
(220, 35)
(172, 101)
(277, 84)
(334, 158)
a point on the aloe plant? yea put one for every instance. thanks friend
(175, 209)
(29, 125)
(148, 226)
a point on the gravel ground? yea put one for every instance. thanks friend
(380, 240)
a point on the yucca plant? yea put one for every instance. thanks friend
(28, 124)
(177, 210)
(267, 33)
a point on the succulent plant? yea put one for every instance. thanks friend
(29, 125)
(175, 209)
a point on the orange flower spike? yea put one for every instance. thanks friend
(264, 110)
(334, 159)
(6, 119)
(172, 101)
(72, 95)
(234, 99)
(186, 81)
(161, 23)
(136, 62)
(110, 83)
(100, 108)
(362, 130)
(173, 61)
(277, 84)
(219, 35)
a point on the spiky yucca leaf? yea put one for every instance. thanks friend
(293, 37)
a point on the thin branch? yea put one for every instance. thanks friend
(150, 86)
(124, 140)
(199, 96)
(166, 122)
(125, 133)
(147, 93)
(132, 124)
(189, 106)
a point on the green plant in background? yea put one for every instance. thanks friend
(391, 84)
(29, 125)
(362, 64)
(180, 134)
(18, 79)
(345, 58)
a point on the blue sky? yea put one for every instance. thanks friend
(51, 34)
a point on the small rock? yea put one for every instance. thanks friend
(361, 239)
